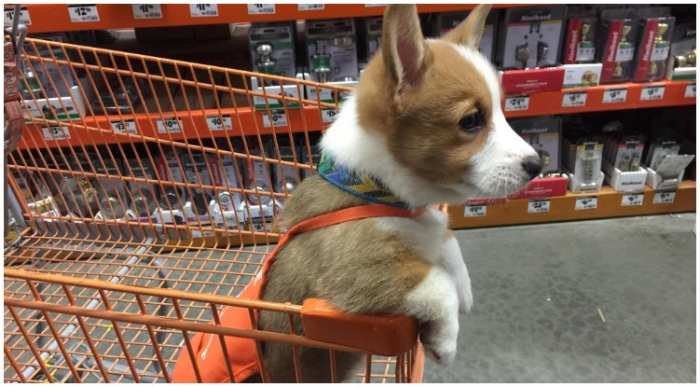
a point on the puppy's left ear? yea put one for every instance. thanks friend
(468, 32)
(404, 50)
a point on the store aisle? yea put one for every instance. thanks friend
(592, 301)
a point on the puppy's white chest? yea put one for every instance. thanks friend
(425, 235)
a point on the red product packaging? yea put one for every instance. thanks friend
(579, 46)
(519, 82)
(654, 48)
(543, 187)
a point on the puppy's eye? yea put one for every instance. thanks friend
(472, 123)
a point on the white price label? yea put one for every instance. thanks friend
(652, 93)
(615, 96)
(169, 125)
(630, 200)
(624, 54)
(574, 99)
(664, 197)
(215, 123)
(147, 11)
(23, 16)
(311, 7)
(128, 126)
(204, 10)
(689, 91)
(261, 9)
(584, 54)
(586, 203)
(56, 133)
(659, 53)
(82, 13)
(328, 115)
(275, 119)
(516, 104)
(538, 206)
(474, 211)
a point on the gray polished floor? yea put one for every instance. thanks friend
(594, 301)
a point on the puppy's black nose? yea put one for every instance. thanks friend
(532, 166)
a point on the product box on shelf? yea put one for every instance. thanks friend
(258, 208)
(669, 172)
(654, 45)
(286, 177)
(625, 181)
(544, 134)
(531, 37)
(143, 196)
(529, 81)
(659, 149)
(579, 46)
(617, 42)
(225, 205)
(373, 36)
(682, 58)
(583, 159)
(66, 108)
(543, 187)
(582, 75)
(444, 22)
(332, 50)
(272, 48)
(624, 152)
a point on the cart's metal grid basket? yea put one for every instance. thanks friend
(146, 188)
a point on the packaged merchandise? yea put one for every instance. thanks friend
(332, 50)
(617, 41)
(272, 48)
(544, 134)
(531, 37)
(656, 29)
(579, 46)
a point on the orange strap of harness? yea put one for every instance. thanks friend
(241, 353)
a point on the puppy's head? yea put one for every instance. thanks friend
(436, 103)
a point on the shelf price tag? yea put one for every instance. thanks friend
(310, 7)
(169, 125)
(204, 10)
(664, 197)
(82, 13)
(631, 200)
(56, 133)
(615, 96)
(127, 126)
(23, 16)
(538, 206)
(275, 119)
(474, 211)
(517, 104)
(147, 11)
(574, 99)
(652, 93)
(689, 91)
(261, 9)
(218, 123)
(328, 115)
(586, 203)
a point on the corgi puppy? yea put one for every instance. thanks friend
(425, 122)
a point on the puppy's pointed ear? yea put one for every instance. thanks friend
(404, 49)
(468, 32)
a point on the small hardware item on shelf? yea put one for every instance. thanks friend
(272, 48)
(660, 148)
(683, 52)
(531, 37)
(544, 134)
(583, 158)
(579, 46)
(286, 177)
(669, 172)
(656, 29)
(582, 74)
(618, 36)
(332, 50)
(623, 149)
(446, 21)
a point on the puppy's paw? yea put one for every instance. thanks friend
(443, 353)
(440, 344)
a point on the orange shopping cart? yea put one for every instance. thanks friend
(149, 188)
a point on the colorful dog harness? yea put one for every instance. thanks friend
(241, 352)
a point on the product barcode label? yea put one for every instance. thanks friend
(586, 203)
(204, 10)
(147, 11)
(310, 7)
(537, 206)
(624, 54)
(215, 123)
(261, 9)
(664, 197)
(652, 93)
(574, 99)
(127, 126)
(23, 16)
(615, 96)
(659, 53)
(56, 133)
(689, 91)
(585, 54)
(274, 119)
(328, 115)
(474, 211)
(82, 13)
(515, 104)
(630, 200)
(169, 125)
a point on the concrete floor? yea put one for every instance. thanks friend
(593, 301)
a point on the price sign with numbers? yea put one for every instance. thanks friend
(310, 7)
(275, 119)
(204, 10)
(128, 126)
(586, 203)
(474, 211)
(328, 115)
(261, 9)
(515, 104)
(56, 133)
(652, 93)
(147, 11)
(615, 96)
(574, 99)
(689, 91)
(215, 123)
(631, 200)
(538, 206)
(83, 13)
(169, 125)
(23, 16)
(664, 197)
